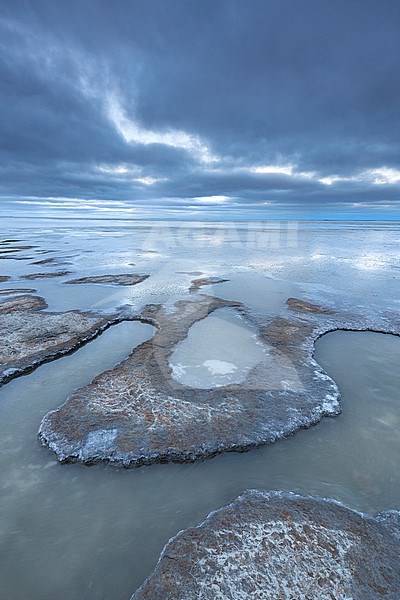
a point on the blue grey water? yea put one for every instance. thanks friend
(68, 531)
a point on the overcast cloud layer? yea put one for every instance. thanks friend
(200, 108)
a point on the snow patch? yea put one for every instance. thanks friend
(220, 367)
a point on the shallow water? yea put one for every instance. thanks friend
(259, 293)
(334, 262)
(219, 350)
(72, 532)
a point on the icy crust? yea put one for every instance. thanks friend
(137, 413)
(391, 518)
(29, 337)
(278, 545)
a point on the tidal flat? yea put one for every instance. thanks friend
(69, 531)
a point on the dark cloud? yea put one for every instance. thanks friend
(157, 104)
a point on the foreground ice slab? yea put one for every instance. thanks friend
(280, 545)
(29, 337)
(137, 413)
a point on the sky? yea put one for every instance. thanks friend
(200, 109)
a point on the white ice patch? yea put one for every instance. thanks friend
(100, 440)
(178, 370)
(220, 367)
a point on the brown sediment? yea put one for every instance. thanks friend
(303, 306)
(32, 276)
(194, 273)
(11, 291)
(30, 337)
(45, 261)
(137, 413)
(12, 256)
(122, 279)
(4, 278)
(9, 249)
(196, 284)
(23, 303)
(280, 545)
(18, 248)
